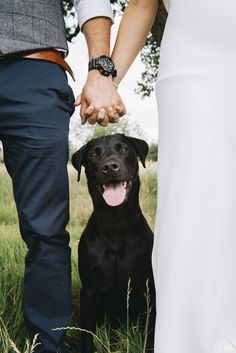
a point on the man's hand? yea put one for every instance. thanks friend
(100, 101)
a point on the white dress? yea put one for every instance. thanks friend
(194, 256)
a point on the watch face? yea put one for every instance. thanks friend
(106, 64)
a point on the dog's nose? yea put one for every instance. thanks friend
(110, 167)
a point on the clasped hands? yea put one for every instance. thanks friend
(99, 101)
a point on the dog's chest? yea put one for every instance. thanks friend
(116, 261)
(114, 245)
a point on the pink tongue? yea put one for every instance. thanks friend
(114, 194)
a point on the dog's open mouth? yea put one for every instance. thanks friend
(115, 192)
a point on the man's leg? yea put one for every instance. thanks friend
(34, 123)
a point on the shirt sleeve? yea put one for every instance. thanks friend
(88, 9)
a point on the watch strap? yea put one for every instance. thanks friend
(93, 64)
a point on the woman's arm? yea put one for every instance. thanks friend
(134, 28)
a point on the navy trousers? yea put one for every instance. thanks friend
(36, 103)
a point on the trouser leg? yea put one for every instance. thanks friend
(34, 127)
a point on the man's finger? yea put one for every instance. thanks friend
(82, 113)
(92, 118)
(78, 100)
(89, 111)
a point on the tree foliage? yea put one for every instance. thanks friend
(124, 127)
(150, 51)
(69, 13)
(81, 134)
(153, 152)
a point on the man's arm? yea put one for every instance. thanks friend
(95, 19)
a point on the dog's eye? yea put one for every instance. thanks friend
(93, 154)
(123, 149)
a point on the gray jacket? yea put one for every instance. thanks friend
(30, 25)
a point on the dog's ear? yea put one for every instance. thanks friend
(78, 160)
(141, 148)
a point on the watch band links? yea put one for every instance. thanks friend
(92, 64)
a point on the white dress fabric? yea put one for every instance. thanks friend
(194, 255)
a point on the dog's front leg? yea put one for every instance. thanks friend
(87, 319)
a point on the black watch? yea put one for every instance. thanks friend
(104, 64)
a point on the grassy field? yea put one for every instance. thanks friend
(12, 252)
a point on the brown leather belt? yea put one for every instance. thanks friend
(50, 55)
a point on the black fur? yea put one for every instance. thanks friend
(116, 244)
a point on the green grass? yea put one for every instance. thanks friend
(12, 253)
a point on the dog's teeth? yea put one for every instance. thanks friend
(125, 183)
(104, 186)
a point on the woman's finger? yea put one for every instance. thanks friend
(101, 115)
(121, 110)
(105, 120)
(113, 115)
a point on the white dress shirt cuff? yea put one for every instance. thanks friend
(92, 8)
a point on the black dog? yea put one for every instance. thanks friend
(116, 244)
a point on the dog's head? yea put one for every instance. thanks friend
(111, 165)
